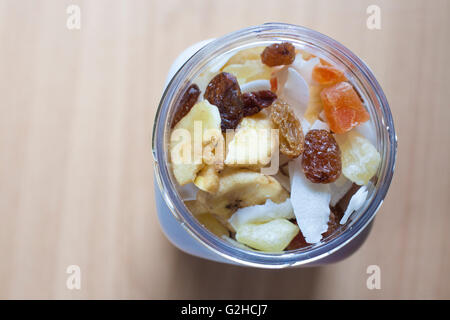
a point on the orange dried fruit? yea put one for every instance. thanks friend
(326, 74)
(325, 62)
(343, 107)
(274, 84)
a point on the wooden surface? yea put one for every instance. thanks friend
(76, 180)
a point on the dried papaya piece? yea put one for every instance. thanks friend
(343, 107)
(326, 74)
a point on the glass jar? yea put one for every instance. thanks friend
(183, 229)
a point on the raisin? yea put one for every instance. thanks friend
(257, 100)
(290, 129)
(321, 157)
(297, 243)
(187, 101)
(278, 54)
(333, 224)
(224, 92)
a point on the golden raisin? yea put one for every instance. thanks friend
(187, 101)
(257, 100)
(224, 92)
(290, 129)
(278, 54)
(322, 157)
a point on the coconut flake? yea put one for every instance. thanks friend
(367, 130)
(305, 125)
(262, 213)
(295, 92)
(356, 202)
(310, 202)
(339, 189)
(256, 85)
(305, 67)
(188, 192)
(320, 125)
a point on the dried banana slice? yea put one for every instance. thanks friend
(239, 188)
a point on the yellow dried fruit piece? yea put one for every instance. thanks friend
(251, 145)
(239, 188)
(272, 236)
(244, 55)
(249, 70)
(196, 207)
(315, 106)
(213, 225)
(207, 179)
(186, 160)
(360, 159)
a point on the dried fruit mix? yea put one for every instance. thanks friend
(314, 109)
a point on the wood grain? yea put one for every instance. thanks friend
(76, 180)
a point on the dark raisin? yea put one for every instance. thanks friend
(321, 157)
(297, 243)
(255, 101)
(333, 224)
(224, 92)
(187, 101)
(278, 54)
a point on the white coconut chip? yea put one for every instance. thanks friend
(305, 67)
(320, 125)
(262, 213)
(306, 126)
(256, 85)
(188, 192)
(310, 202)
(339, 189)
(295, 92)
(367, 130)
(356, 202)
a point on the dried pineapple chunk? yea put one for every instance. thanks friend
(213, 225)
(360, 159)
(273, 236)
(262, 213)
(248, 71)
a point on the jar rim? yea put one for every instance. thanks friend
(261, 259)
